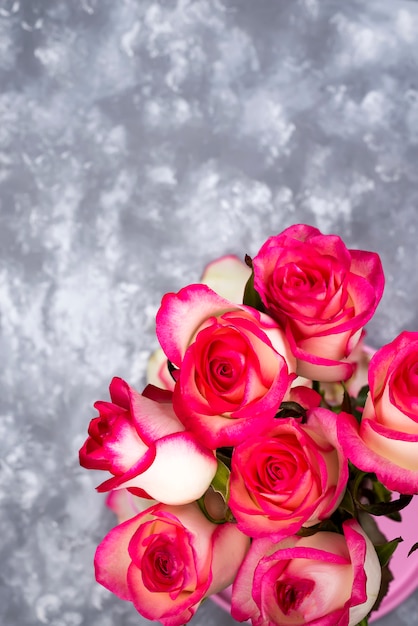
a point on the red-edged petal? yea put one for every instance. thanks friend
(119, 392)
(197, 531)
(216, 431)
(369, 265)
(367, 571)
(181, 315)
(307, 397)
(392, 474)
(318, 368)
(155, 393)
(91, 455)
(138, 468)
(152, 419)
(242, 603)
(230, 546)
(112, 559)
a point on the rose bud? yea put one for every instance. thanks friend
(144, 445)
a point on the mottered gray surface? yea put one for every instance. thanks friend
(139, 140)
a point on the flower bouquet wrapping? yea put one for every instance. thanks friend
(266, 444)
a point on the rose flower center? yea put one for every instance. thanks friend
(291, 592)
(225, 363)
(162, 569)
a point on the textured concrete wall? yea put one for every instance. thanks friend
(139, 140)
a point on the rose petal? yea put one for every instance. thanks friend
(394, 476)
(112, 560)
(181, 471)
(228, 277)
(181, 314)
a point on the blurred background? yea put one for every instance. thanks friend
(138, 141)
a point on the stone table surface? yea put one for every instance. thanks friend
(139, 140)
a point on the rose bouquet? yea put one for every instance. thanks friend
(265, 444)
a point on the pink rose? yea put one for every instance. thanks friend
(322, 293)
(322, 580)
(142, 443)
(227, 276)
(235, 365)
(295, 474)
(386, 441)
(167, 559)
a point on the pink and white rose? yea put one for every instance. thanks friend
(235, 364)
(167, 559)
(294, 475)
(143, 444)
(386, 441)
(321, 293)
(321, 580)
(227, 276)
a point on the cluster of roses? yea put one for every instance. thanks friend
(261, 475)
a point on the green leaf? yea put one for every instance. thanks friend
(381, 492)
(358, 476)
(414, 547)
(346, 405)
(347, 504)
(364, 622)
(327, 525)
(395, 516)
(357, 404)
(386, 508)
(362, 396)
(220, 482)
(251, 296)
(385, 550)
(365, 486)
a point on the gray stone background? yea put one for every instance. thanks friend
(139, 140)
